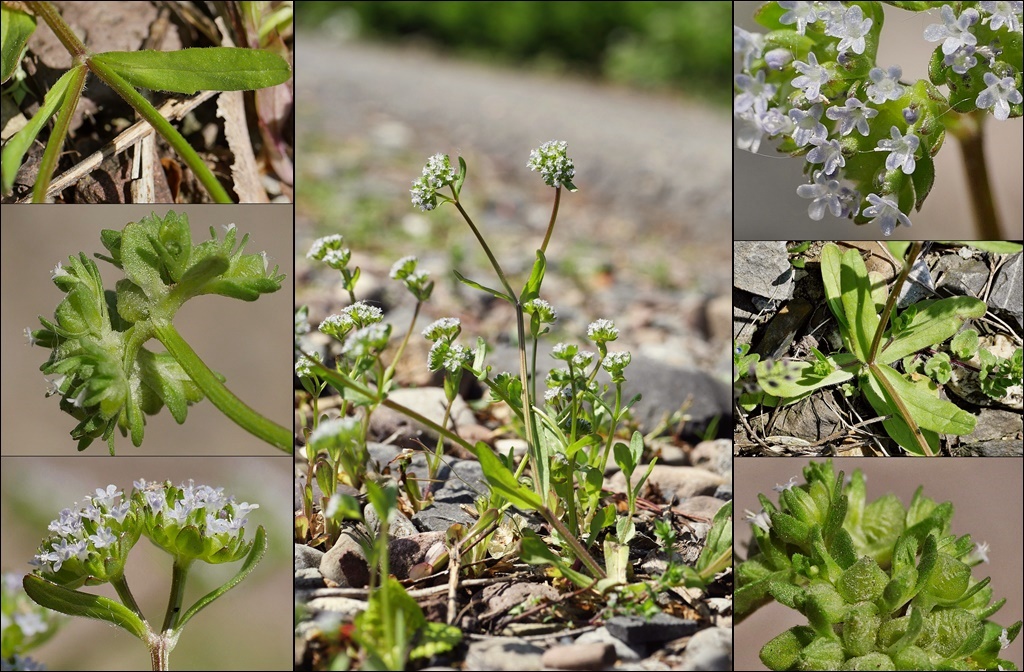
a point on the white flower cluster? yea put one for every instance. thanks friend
(204, 507)
(84, 530)
(437, 173)
(551, 162)
(784, 95)
(356, 316)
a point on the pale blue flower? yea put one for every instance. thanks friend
(799, 12)
(775, 122)
(754, 93)
(748, 131)
(812, 77)
(777, 59)
(854, 114)
(829, 154)
(825, 193)
(962, 59)
(806, 127)
(851, 30)
(998, 95)
(901, 150)
(954, 31)
(1003, 13)
(886, 213)
(885, 85)
(748, 45)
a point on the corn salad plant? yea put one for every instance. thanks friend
(89, 543)
(105, 377)
(867, 135)
(185, 71)
(883, 587)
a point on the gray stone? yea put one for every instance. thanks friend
(503, 654)
(306, 557)
(709, 649)
(811, 419)
(715, 456)
(723, 492)
(596, 656)
(624, 651)
(763, 268)
(996, 425)
(429, 402)
(1014, 448)
(1007, 294)
(309, 578)
(407, 552)
(400, 526)
(660, 628)
(439, 516)
(337, 608)
(700, 506)
(966, 277)
(682, 482)
(345, 565)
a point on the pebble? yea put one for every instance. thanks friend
(309, 578)
(763, 268)
(660, 628)
(623, 651)
(306, 557)
(709, 649)
(1008, 290)
(715, 456)
(594, 656)
(345, 565)
(503, 654)
(682, 481)
(344, 608)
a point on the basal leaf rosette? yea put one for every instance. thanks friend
(882, 586)
(193, 522)
(89, 543)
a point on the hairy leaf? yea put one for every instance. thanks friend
(204, 69)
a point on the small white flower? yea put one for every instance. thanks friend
(886, 213)
(320, 246)
(551, 161)
(58, 271)
(1004, 640)
(885, 85)
(901, 151)
(954, 31)
(759, 519)
(1002, 13)
(29, 337)
(754, 93)
(103, 538)
(749, 45)
(403, 267)
(854, 114)
(851, 30)
(774, 122)
(806, 127)
(979, 554)
(748, 131)
(601, 331)
(825, 193)
(777, 59)
(445, 327)
(800, 13)
(829, 154)
(962, 59)
(999, 94)
(812, 77)
(31, 623)
(790, 484)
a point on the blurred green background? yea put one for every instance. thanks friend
(661, 45)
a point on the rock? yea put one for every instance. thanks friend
(406, 552)
(723, 492)
(715, 456)
(439, 516)
(399, 527)
(1007, 294)
(763, 268)
(519, 446)
(995, 425)
(666, 388)
(966, 277)
(343, 608)
(811, 419)
(667, 452)
(744, 317)
(623, 651)
(594, 656)
(709, 649)
(502, 597)
(682, 482)
(309, 578)
(660, 628)
(700, 506)
(429, 402)
(462, 482)
(306, 557)
(1014, 448)
(782, 328)
(503, 654)
(345, 565)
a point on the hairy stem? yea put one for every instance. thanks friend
(230, 405)
(164, 128)
(883, 322)
(60, 131)
(902, 409)
(60, 28)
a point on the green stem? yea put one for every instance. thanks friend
(163, 127)
(60, 131)
(969, 130)
(60, 28)
(551, 222)
(490, 257)
(124, 592)
(179, 574)
(883, 322)
(390, 371)
(230, 405)
(574, 543)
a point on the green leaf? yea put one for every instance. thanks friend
(75, 603)
(435, 639)
(476, 285)
(898, 248)
(861, 317)
(929, 411)
(503, 481)
(259, 548)
(965, 344)
(457, 187)
(191, 70)
(791, 379)
(933, 324)
(895, 426)
(831, 266)
(16, 147)
(923, 178)
(996, 246)
(535, 552)
(16, 28)
(532, 289)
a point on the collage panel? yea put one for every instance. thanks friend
(978, 537)
(876, 91)
(878, 348)
(90, 500)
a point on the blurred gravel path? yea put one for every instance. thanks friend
(673, 157)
